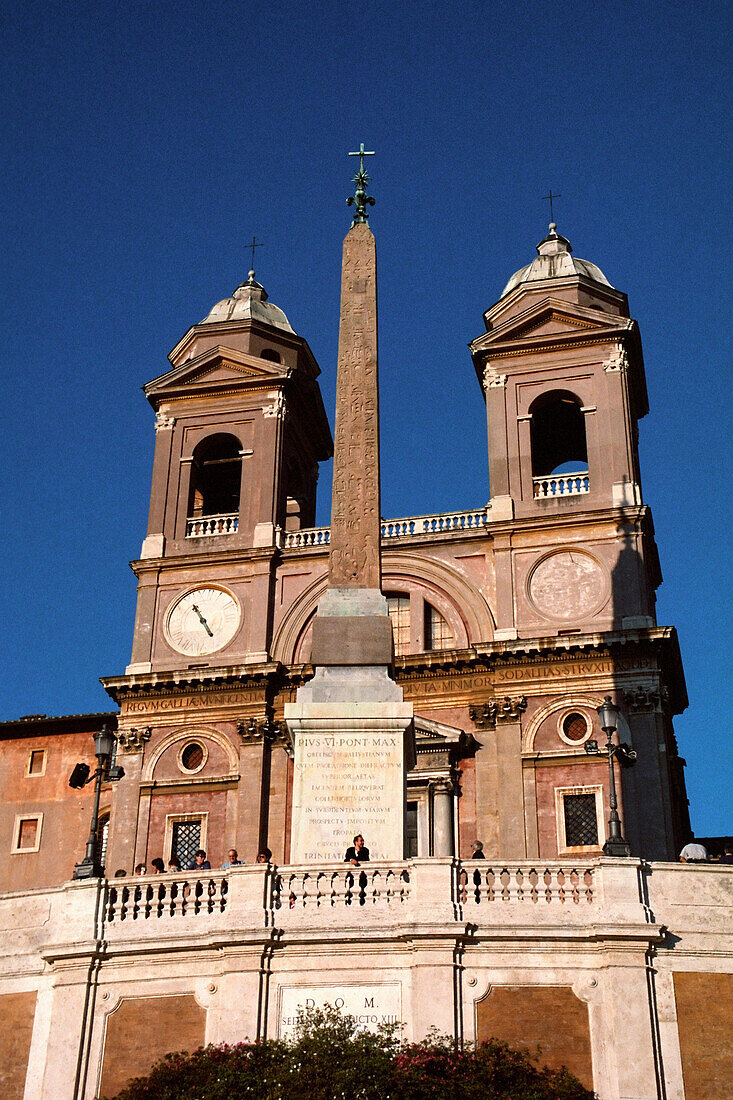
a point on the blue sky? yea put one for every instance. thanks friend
(145, 143)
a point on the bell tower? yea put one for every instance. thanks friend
(562, 371)
(240, 429)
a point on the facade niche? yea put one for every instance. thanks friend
(216, 477)
(557, 432)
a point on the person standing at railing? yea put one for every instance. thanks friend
(200, 862)
(357, 853)
(233, 860)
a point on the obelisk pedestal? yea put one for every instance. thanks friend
(352, 734)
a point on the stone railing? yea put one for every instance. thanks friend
(532, 883)
(207, 526)
(165, 896)
(308, 536)
(561, 485)
(297, 888)
(439, 524)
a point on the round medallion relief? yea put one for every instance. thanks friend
(568, 585)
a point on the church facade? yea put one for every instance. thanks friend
(511, 624)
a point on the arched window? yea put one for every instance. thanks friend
(270, 354)
(398, 605)
(216, 475)
(557, 432)
(438, 634)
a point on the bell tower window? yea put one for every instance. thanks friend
(216, 478)
(559, 446)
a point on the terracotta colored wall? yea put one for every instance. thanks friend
(550, 1017)
(17, 1011)
(184, 802)
(141, 1031)
(705, 1024)
(550, 777)
(66, 812)
(467, 827)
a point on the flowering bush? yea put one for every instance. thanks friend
(330, 1059)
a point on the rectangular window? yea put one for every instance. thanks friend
(581, 827)
(36, 762)
(411, 831)
(27, 833)
(186, 841)
(579, 813)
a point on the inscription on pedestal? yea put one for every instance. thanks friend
(349, 780)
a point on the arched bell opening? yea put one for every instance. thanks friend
(559, 445)
(216, 477)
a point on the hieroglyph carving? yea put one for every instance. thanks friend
(508, 709)
(132, 740)
(355, 522)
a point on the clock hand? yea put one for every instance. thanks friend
(203, 621)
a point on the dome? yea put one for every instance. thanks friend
(249, 303)
(554, 261)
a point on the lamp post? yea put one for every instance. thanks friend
(104, 744)
(616, 845)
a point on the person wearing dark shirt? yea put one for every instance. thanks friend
(200, 863)
(358, 852)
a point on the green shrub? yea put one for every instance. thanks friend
(329, 1059)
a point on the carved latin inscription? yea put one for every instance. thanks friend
(355, 523)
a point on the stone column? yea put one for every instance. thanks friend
(443, 818)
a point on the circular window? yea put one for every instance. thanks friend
(574, 728)
(193, 757)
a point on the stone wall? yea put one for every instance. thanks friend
(621, 970)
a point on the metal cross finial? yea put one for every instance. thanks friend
(255, 244)
(551, 197)
(360, 199)
(361, 153)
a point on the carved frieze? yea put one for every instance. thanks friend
(642, 697)
(492, 378)
(508, 709)
(163, 422)
(618, 363)
(133, 740)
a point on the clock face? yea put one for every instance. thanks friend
(203, 621)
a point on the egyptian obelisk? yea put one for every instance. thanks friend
(352, 734)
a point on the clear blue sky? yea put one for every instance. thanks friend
(144, 143)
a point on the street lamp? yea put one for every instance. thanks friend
(104, 745)
(608, 714)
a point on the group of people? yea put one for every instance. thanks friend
(198, 863)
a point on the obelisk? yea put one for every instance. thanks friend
(352, 734)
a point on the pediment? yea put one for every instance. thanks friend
(552, 318)
(216, 367)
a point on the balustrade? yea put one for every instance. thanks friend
(533, 883)
(329, 889)
(561, 485)
(408, 527)
(165, 896)
(206, 527)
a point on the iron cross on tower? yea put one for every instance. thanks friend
(551, 197)
(255, 244)
(360, 198)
